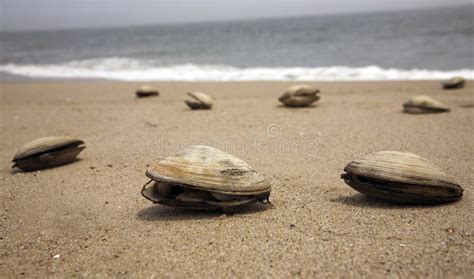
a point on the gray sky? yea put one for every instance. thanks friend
(62, 14)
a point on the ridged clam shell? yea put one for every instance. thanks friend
(454, 83)
(225, 180)
(424, 104)
(146, 91)
(401, 177)
(199, 101)
(299, 96)
(47, 152)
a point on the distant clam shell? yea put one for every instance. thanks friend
(146, 91)
(454, 83)
(401, 177)
(47, 152)
(199, 101)
(300, 96)
(424, 104)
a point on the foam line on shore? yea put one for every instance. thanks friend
(135, 70)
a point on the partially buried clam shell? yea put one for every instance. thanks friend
(204, 177)
(300, 96)
(424, 104)
(47, 152)
(401, 177)
(454, 83)
(199, 101)
(146, 91)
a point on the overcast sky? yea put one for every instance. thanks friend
(62, 14)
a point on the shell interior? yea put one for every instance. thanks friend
(181, 196)
(49, 159)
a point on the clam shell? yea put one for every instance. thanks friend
(146, 91)
(401, 177)
(299, 96)
(199, 101)
(223, 179)
(47, 152)
(454, 83)
(424, 104)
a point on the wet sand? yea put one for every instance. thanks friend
(92, 215)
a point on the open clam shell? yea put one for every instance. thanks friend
(47, 152)
(424, 104)
(199, 101)
(146, 91)
(401, 177)
(300, 96)
(205, 177)
(454, 83)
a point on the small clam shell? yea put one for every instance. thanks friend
(454, 83)
(47, 152)
(223, 179)
(401, 177)
(424, 104)
(146, 91)
(199, 101)
(299, 96)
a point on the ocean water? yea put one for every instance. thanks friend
(434, 43)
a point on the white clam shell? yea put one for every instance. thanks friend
(299, 96)
(199, 101)
(424, 104)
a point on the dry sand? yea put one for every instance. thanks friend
(92, 215)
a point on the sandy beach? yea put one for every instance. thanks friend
(88, 219)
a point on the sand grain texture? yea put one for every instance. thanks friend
(91, 213)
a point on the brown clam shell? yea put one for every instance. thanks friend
(209, 178)
(199, 101)
(146, 91)
(401, 177)
(300, 96)
(454, 83)
(47, 152)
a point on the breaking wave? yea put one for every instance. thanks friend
(126, 69)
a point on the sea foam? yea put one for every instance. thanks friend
(126, 69)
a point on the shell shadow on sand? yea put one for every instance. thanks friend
(467, 106)
(364, 201)
(165, 213)
(314, 105)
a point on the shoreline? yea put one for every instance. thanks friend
(91, 214)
